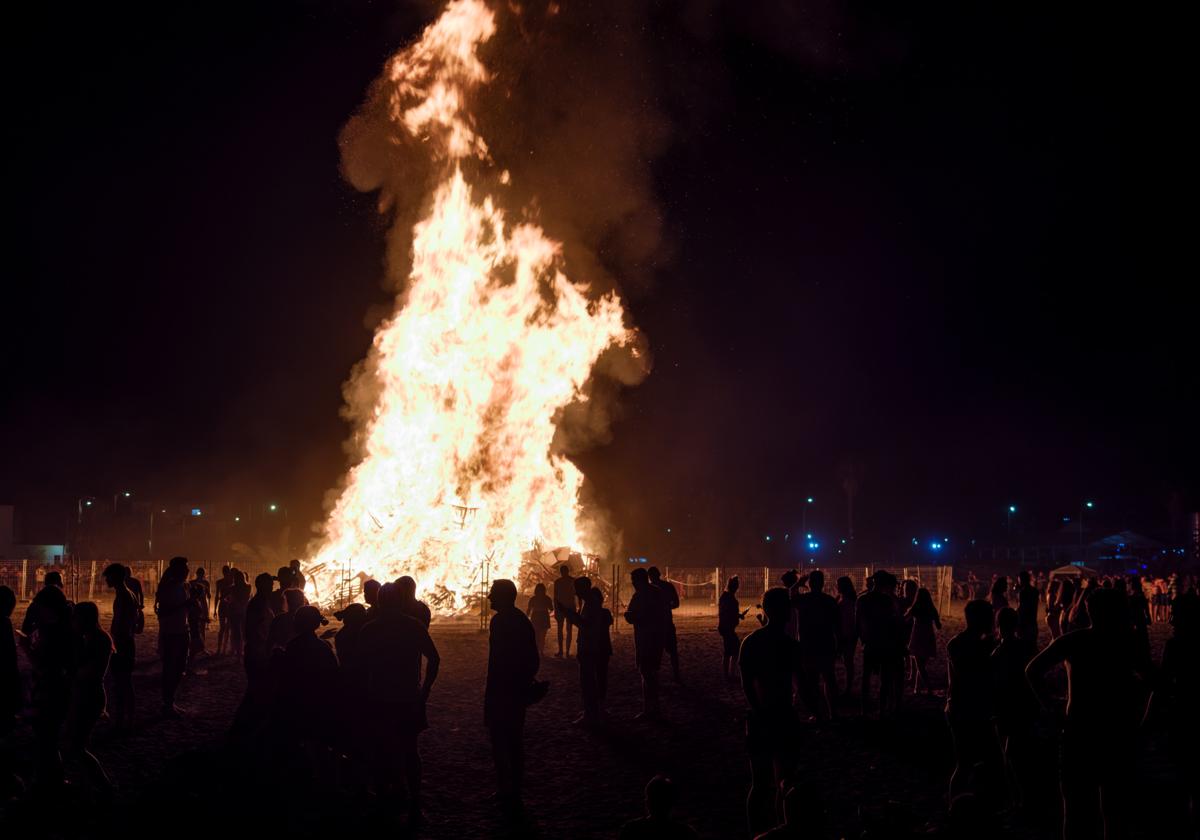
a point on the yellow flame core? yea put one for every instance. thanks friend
(491, 342)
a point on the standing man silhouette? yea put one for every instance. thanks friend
(671, 595)
(648, 613)
(770, 662)
(512, 665)
(564, 593)
(1027, 608)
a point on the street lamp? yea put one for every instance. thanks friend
(1084, 506)
(804, 515)
(1011, 510)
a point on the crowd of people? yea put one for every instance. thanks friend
(355, 709)
(1002, 685)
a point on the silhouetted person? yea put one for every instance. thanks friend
(593, 651)
(1066, 601)
(394, 644)
(1178, 695)
(657, 824)
(847, 630)
(1079, 616)
(803, 816)
(354, 726)
(817, 625)
(924, 621)
(10, 694)
(881, 628)
(969, 696)
(124, 618)
(135, 586)
(1139, 615)
(999, 593)
(770, 663)
(282, 625)
(1016, 707)
(93, 649)
(221, 593)
(171, 602)
(538, 611)
(671, 596)
(1027, 608)
(370, 591)
(47, 641)
(199, 591)
(406, 590)
(564, 593)
(1054, 609)
(649, 614)
(236, 602)
(729, 616)
(259, 615)
(307, 692)
(298, 579)
(512, 666)
(1103, 710)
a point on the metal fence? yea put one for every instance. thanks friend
(84, 580)
(700, 587)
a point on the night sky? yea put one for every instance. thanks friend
(931, 246)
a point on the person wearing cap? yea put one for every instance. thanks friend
(394, 644)
(171, 603)
(308, 677)
(124, 655)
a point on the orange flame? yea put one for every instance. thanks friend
(490, 342)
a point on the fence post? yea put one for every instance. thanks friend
(92, 582)
(24, 578)
(716, 583)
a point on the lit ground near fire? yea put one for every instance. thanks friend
(580, 784)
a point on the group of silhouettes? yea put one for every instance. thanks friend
(359, 705)
(1001, 687)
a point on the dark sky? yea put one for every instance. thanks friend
(930, 245)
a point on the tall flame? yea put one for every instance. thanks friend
(489, 343)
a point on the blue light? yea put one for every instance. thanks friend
(843, 542)
(1066, 519)
(808, 536)
(809, 500)
(195, 511)
(915, 541)
(1090, 504)
(1012, 508)
(768, 537)
(936, 546)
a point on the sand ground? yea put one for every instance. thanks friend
(579, 784)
